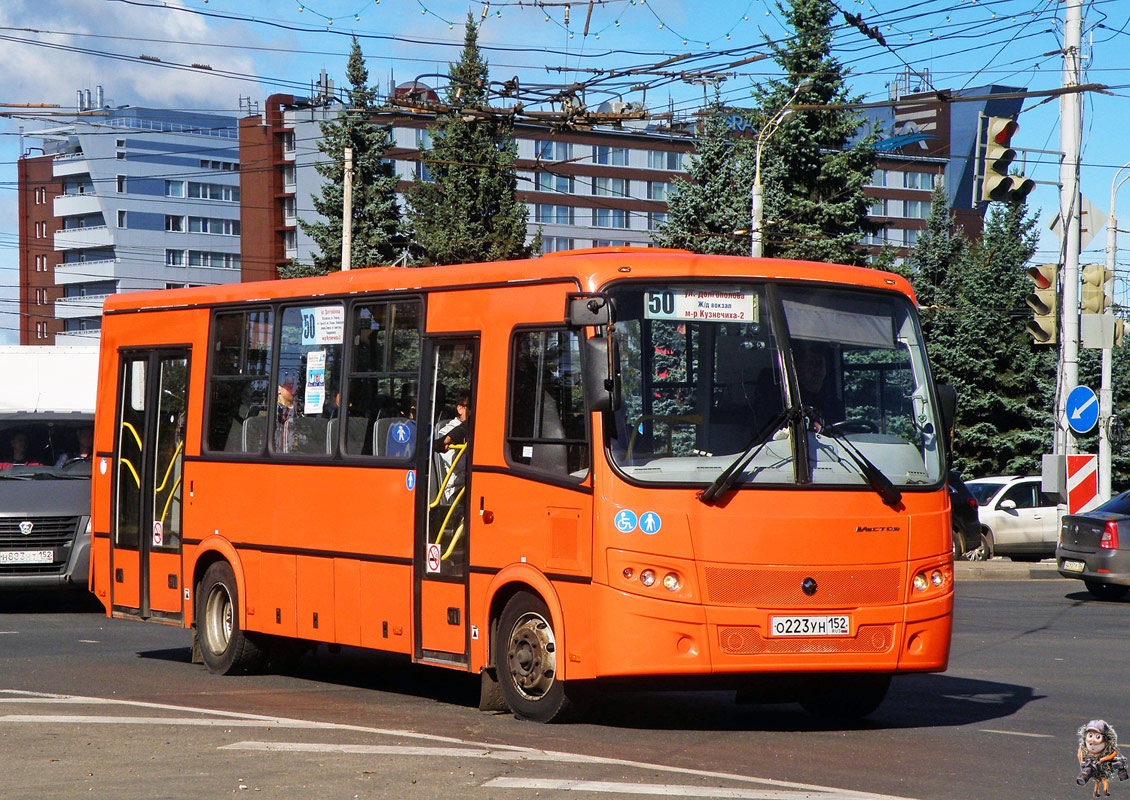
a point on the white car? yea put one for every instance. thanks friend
(1019, 519)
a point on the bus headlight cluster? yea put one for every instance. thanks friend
(671, 581)
(931, 579)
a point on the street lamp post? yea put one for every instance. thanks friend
(1106, 404)
(757, 197)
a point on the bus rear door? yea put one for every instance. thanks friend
(149, 450)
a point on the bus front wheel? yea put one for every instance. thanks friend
(225, 647)
(526, 662)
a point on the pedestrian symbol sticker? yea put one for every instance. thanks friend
(401, 434)
(433, 558)
(650, 522)
(626, 521)
(410, 479)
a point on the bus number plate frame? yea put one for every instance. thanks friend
(824, 625)
(27, 557)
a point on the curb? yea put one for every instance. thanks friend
(1005, 570)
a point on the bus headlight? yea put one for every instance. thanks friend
(936, 578)
(671, 582)
(647, 577)
(920, 582)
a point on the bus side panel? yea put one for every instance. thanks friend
(443, 601)
(164, 582)
(99, 568)
(126, 590)
(276, 605)
(315, 598)
(386, 607)
(347, 601)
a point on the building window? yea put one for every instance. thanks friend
(122, 218)
(289, 176)
(655, 219)
(121, 184)
(610, 156)
(174, 188)
(611, 243)
(878, 177)
(289, 206)
(911, 235)
(918, 180)
(657, 190)
(610, 187)
(290, 241)
(221, 227)
(174, 258)
(205, 258)
(664, 159)
(562, 184)
(288, 141)
(119, 143)
(553, 151)
(422, 172)
(610, 218)
(554, 215)
(121, 156)
(552, 244)
(174, 223)
(917, 209)
(211, 191)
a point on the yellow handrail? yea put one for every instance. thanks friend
(169, 502)
(172, 462)
(136, 438)
(136, 478)
(450, 511)
(454, 541)
(450, 471)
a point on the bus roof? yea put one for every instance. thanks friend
(591, 268)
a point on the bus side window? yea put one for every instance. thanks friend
(548, 426)
(240, 370)
(383, 378)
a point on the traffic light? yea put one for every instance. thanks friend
(1042, 300)
(1093, 298)
(996, 183)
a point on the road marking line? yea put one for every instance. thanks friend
(663, 790)
(404, 750)
(244, 720)
(1019, 733)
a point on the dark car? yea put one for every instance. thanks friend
(1095, 547)
(968, 539)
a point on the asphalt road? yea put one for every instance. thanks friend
(107, 708)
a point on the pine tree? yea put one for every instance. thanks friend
(978, 343)
(937, 250)
(814, 203)
(466, 209)
(376, 232)
(704, 212)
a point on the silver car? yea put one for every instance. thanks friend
(1019, 520)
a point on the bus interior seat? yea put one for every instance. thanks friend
(254, 433)
(551, 457)
(382, 430)
(310, 435)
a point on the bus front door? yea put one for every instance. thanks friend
(442, 501)
(149, 450)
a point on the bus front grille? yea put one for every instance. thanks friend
(738, 640)
(768, 587)
(45, 532)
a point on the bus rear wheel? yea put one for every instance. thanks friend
(526, 662)
(225, 647)
(845, 697)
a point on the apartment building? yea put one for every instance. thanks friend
(122, 199)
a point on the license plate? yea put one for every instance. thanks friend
(1073, 566)
(838, 625)
(27, 556)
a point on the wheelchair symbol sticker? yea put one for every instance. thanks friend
(625, 521)
(410, 480)
(650, 522)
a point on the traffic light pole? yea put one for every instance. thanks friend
(1070, 131)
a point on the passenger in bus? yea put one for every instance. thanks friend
(85, 436)
(456, 431)
(284, 418)
(818, 394)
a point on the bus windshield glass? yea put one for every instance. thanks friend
(814, 384)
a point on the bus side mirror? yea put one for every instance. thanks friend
(601, 374)
(947, 405)
(588, 308)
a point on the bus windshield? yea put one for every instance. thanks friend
(709, 372)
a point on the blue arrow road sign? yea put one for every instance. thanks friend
(1082, 409)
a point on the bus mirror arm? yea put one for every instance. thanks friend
(601, 374)
(947, 405)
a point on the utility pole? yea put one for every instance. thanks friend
(347, 212)
(1070, 132)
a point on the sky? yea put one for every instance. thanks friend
(208, 54)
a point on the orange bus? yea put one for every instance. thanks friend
(608, 465)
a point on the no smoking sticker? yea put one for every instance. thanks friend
(433, 558)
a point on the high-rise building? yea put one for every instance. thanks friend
(123, 199)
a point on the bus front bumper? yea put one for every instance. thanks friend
(641, 636)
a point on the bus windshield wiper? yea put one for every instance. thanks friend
(729, 476)
(882, 485)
